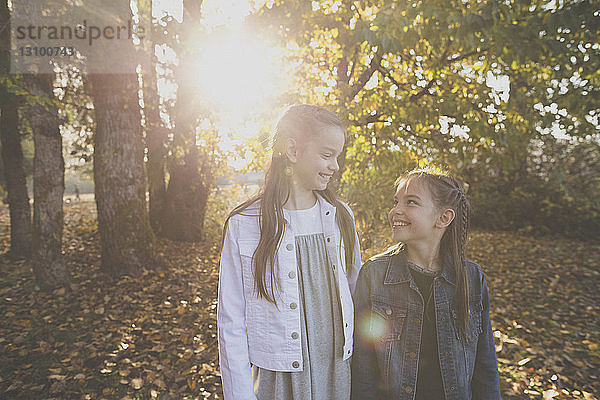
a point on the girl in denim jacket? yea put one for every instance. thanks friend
(422, 310)
(289, 263)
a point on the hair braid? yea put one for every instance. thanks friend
(464, 211)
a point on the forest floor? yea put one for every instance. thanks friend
(154, 337)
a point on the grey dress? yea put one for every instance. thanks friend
(325, 375)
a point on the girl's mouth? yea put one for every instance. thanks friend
(397, 224)
(326, 176)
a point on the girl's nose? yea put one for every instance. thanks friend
(334, 165)
(397, 209)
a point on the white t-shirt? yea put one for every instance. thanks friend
(305, 222)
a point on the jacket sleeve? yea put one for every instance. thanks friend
(485, 384)
(236, 373)
(365, 371)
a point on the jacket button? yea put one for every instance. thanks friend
(295, 364)
(412, 355)
(289, 247)
(446, 353)
(439, 283)
(443, 318)
(292, 274)
(348, 351)
(452, 388)
(293, 307)
(346, 324)
(295, 335)
(417, 321)
(327, 213)
(408, 389)
(333, 266)
(388, 311)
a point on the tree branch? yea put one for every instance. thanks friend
(423, 91)
(384, 71)
(466, 55)
(369, 120)
(366, 75)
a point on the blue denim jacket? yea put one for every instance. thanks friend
(388, 323)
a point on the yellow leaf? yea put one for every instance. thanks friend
(137, 383)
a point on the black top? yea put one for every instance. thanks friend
(429, 376)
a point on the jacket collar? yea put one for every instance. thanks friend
(397, 269)
(324, 205)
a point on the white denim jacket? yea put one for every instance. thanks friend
(255, 331)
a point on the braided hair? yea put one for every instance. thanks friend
(447, 192)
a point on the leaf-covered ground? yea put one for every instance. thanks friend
(154, 336)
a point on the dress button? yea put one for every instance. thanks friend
(293, 306)
(346, 324)
(412, 355)
(333, 266)
(295, 335)
(328, 240)
(295, 364)
(348, 351)
(292, 274)
(408, 389)
(388, 311)
(289, 247)
(327, 213)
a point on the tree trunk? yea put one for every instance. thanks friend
(186, 198)
(156, 142)
(127, 240)
(190, 174)
(48, 186)
(12, 154)
(14, 175)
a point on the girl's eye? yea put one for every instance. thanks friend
(411, 202)
(395, 202)
(327, 155)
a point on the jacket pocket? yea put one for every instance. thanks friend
(247, 249)
(387, 320)
(474, 326)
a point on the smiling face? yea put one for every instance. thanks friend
(315, 161)
(414, 217)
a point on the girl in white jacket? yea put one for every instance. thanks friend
(289, 263)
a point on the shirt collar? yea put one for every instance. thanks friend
(397, 269)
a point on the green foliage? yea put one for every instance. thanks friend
(467, 85)
(378, 172)
(557, 194)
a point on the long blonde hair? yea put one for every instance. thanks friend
(301, 121)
